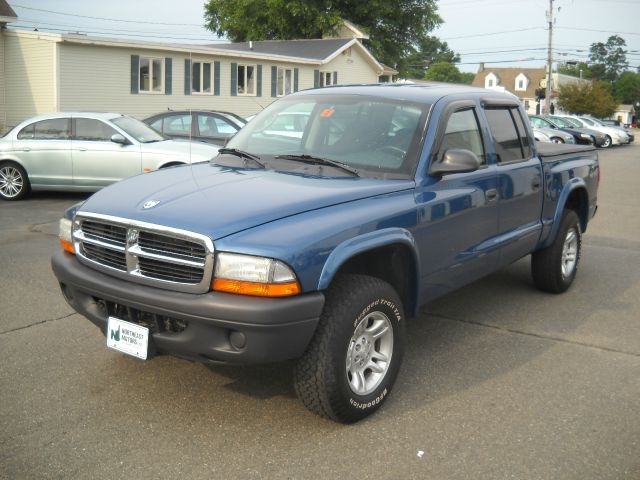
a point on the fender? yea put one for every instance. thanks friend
(572, 185)
(369, 241)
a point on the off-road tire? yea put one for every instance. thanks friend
(547, 264)
(320, 376)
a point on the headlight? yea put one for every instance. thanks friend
(64, 234)
(249, 275)
(584, 135)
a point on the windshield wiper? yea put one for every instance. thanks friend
(321, 161)
(242, 154)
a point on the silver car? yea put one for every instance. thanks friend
(85, 152)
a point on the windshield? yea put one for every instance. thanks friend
(378, 137)
(588, 121)
(563, 122)
(138, 130)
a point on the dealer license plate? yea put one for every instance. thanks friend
(127, 337)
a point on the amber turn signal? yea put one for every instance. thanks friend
(67, 246)
(256, 289)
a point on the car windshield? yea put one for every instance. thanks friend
(588, 121)
(563, 122)
(138, 130)
(378, 137)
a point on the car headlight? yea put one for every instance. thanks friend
(585, 135)
(250, 275)
(65, 235)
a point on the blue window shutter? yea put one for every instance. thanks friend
(259, 81)
(168, 76)
(234, 79)
(274, 81)
(316, 78)
(187, 76)
(216, 78)
(335, 78)
(295, 79)
(135, 72)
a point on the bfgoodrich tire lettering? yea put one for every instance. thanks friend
(554, 268)
(353, 360)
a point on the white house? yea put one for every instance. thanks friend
(46, 72)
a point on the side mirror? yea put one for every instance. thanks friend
(456, 160)
(119, 138)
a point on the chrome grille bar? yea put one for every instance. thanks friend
(146, 253)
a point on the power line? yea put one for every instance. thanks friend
(82, 31)
(494, 33)
(107, 19)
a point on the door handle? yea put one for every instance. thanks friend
(82, 149)
(535, 183)
(491, 195)
(26, 149)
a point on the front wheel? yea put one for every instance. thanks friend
(353, 360)
(557, 140)
(14, 182)
(554, 268)
(607, 142)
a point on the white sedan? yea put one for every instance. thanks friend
(85, 152)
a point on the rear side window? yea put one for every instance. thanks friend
(463, 132)
(511, 145)
(53, 129)
(178, 124)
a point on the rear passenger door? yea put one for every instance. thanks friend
(519, 175)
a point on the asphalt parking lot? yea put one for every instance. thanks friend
(499, 380)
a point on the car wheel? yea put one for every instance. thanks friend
(607, 142)
(554, 268)
(557, 140)
(14, 182)
(353, 359)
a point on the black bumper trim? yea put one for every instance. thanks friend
(275, 328)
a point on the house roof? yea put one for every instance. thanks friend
(316, 49)
(507, 79)
(6, 13)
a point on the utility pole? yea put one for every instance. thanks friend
(549, 58)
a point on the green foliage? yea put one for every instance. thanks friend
(627, 88)
(444, 72)
(429, 50)
(608, 60)
(574, 70)
(587, 98)
(396, 29)
(467, 78)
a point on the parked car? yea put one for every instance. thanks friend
(197, 125)
(319, 247)
(612, 136)
(580, 136)
(540, 136)
(85, 152)
(595, 122)
(554, 135)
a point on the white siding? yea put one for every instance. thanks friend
(29, 77)
(3, 110)
(352, 68)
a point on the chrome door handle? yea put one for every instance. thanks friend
(82, 149)
(491, 194)
(26, 149)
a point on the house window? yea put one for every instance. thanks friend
(246, 80)
(151, 75)
(285, 81)
(201, 76)
(326, 79)
(520, 84)
(490, 83)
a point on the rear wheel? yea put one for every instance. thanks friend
(554, 268)
(14, 182)
(353, 360)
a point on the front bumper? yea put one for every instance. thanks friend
(212, 327)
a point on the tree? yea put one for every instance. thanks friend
(578, 70)
(395, 28)
(429, 50)
(627, 88)
(444, 72)
(587, 98)
(608, 60)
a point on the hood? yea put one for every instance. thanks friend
(218, 201)
(188, 150)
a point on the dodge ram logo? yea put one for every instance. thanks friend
(150, 204)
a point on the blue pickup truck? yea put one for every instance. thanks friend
(324, 224)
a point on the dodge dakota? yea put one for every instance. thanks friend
(326, 223)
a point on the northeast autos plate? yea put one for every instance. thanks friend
(127, 337)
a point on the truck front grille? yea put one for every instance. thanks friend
(146, 253)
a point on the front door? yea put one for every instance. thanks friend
(97, 161)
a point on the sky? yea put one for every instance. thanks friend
(495, 32)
